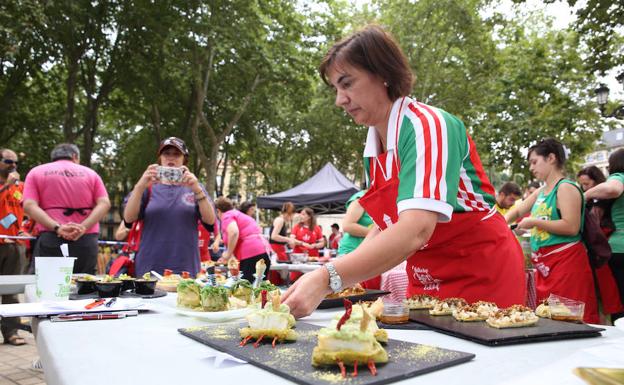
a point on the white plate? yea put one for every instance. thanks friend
(215, 316)
(619, 323)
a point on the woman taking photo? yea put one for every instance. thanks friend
(429, 196)
(242, 237)
(555, 222)
(170, 207)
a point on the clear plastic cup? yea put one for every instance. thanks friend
(394, 313)
(53, 278)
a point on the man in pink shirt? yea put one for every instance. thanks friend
(67, 200)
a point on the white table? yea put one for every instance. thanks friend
(14, 284)
(302, 267)
(148, 350)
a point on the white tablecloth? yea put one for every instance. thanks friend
(149, 350)
(14, 284)
(302, 267)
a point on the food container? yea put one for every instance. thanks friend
(127, 284)
(108, 289)
(145, 286)
(565, 309)
(394, 313)
(85, 286)
(298, 257)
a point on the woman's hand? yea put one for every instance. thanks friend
(227, 254)
(189, 179)
(527, 223)
(149, 176)
(304, 296)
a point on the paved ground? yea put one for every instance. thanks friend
(15, 363)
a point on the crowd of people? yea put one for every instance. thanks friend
(428, 202)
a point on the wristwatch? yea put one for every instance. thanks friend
(335, 282)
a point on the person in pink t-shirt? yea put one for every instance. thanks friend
(243, 238)
(67, 200)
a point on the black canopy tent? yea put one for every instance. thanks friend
(326, 192)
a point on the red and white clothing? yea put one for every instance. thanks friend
(305, 234)
(431, 163)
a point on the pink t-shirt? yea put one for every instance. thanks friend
(250, 240)
(64, 184)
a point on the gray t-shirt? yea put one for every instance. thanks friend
(169, 236)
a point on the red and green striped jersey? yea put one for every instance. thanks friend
(439, 167)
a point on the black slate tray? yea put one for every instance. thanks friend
(293, 360)
(406, 326)
(369, 295)
(545, 330)
(126, 294)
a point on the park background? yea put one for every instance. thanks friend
(238, 81)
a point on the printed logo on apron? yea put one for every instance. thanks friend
(427, 280)
(542, 268)
(387, 220)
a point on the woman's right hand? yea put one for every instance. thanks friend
(149, 176)
(304, 296)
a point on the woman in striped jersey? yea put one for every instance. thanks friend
(555, 222)
(429, 196)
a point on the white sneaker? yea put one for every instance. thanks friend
(37, 366)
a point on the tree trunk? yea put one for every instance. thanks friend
(68, 122)
(225, 166)
(89, 132)
(155, 117)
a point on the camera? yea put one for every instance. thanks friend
(169, 174)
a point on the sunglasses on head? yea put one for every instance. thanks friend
(10, 161)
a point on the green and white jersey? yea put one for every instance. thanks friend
(616, 240)
(545, 208)
(439, 167)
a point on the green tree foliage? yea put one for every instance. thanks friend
(599, 23)
(541, 90)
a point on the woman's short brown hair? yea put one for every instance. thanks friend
(375, 51)
(223, 204)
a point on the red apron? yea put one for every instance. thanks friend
(280, 251)
(564, 270)
(609, 291)
(474, 256)
(203, 242)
